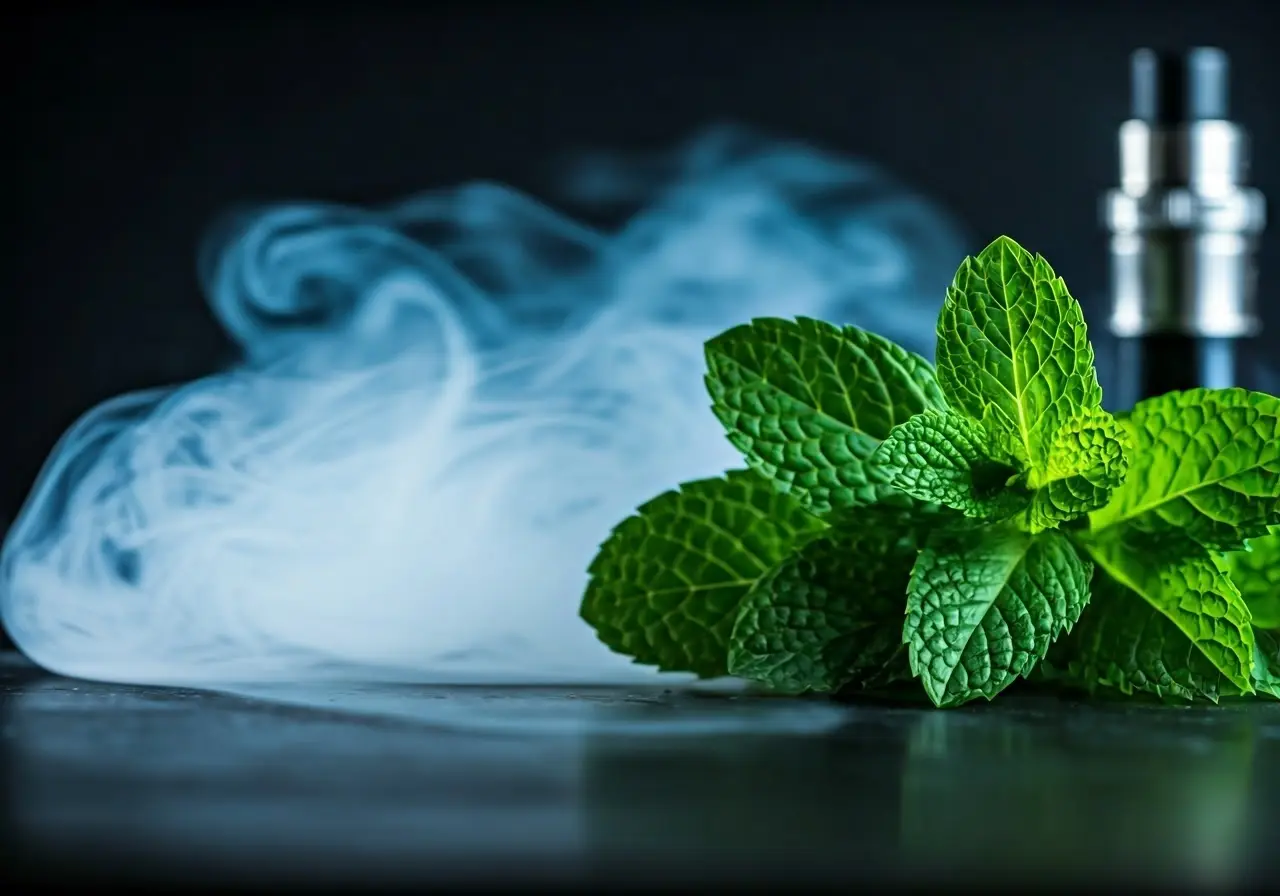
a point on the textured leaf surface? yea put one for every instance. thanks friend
(666, 586)
(1166, 619)
(1087, 461)
(984, 605)
(1257, 574)
(1124, 642)
(942, 458)
(1206, 462)
(1013, 351)
(831, 614)
(807, 403)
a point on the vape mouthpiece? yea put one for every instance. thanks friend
(1184, 224)
(1169, 90)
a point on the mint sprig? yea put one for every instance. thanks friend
(958, 525)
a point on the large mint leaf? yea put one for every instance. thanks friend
(1013, 351)
(1256, 573)
(942, 458)
(668, 582)
(984, 605)
(1165, 619)
(1205, 462)
(807, 403)
(1126, 643)
(831, 614)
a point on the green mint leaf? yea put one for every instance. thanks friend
(831, 614)
(1014, 353)
(1206, 462)
(983, 606)
(1165, 619)
(1087, 461)
(1266, 662)
(1126, 643)
(807, 403)
(666, 585)
(1256, 572)
(942, 458)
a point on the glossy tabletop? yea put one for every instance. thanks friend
(405, 785)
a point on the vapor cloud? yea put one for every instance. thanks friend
(442, 408)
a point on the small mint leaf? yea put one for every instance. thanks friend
(1087, 462)
(1266, 662)
(983, 606)
(666, 586)
(807, 403)
(943, 459)
(831, 614)
(1256, 572)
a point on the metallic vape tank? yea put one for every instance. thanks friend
(1184, 228)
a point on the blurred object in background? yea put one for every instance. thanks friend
(1185, 228)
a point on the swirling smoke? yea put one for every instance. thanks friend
(442, 408)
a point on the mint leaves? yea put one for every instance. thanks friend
(1172, 621)
(957, 527)
(1014, 358)
(831, 613)
(1016, 367)
(945, 459)
(808, 403)
(1207, 463)
(666, 585)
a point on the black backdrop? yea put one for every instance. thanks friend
(131, 129)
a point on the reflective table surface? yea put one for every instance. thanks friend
(397, 785)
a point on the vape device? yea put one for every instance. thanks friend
(1184, 228)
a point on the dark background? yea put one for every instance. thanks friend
(131, 130)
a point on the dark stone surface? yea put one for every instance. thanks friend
(545, 786)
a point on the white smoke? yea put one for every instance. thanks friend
(442, 409)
